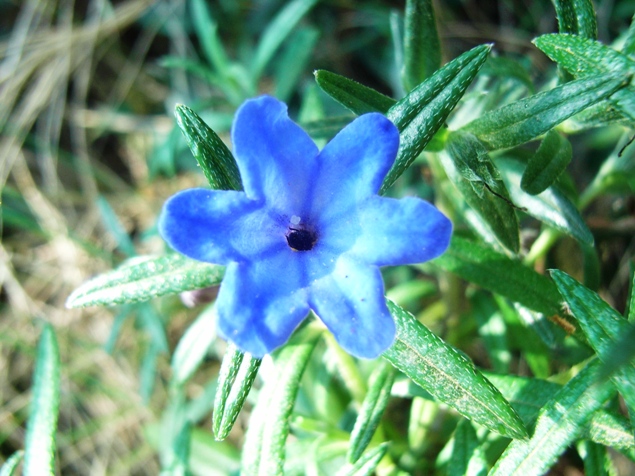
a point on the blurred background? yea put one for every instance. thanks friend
(89, 152)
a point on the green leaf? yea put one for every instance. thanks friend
(294, 61)
(449, 376)
(492, 329)
(371, 411)
(546, 165)
(207, 33)
(529, 395)
(496, 272)
(551, 207)
(236, 376)
(212, 155)
(629, 42)
(423, 111)
(529, 118)
(603, 327)
(467, 458)
(469, 167)
(194, 345)
(114, 227)
(142, 279)
(263, 451)
(560, 422)
(596, 458)
(353, 96)
(11, 463)
(367, 463)
(583, 57)
(577, 17)
(422, 49)
(277, 31)
(39, 455)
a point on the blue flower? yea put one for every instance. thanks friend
(309, 231)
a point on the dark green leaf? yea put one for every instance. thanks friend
(212, 155)
(263, 451)
(469, 167)
(39, 455)
(551, 207)
(560, 422)
(529, 118)
(141, 279)
(236, 376)
(353, 96)
(577, 17)
(423, 111)
(371, 410)
(422, 49)
(583, 57)
(603, 326)
(629, 42)
(449, 376)
(496, 272)
(546, 165)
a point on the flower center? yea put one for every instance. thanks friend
(300, 239)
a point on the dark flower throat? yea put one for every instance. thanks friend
(301, 240)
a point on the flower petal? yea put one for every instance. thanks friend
(259, 306)
(352, 166)
(404, 231)
(219, 226)
(275, 156)
(350, 301)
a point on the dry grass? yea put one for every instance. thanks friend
(51, 140)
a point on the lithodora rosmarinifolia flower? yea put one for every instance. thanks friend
(309, 231)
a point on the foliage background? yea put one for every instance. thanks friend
(89, 153)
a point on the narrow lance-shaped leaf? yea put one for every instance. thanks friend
(467, 459)
(603, 327)
(212, 155)
(353, 96)
(277, 31)
(423, 111)
(39, 456)
(583, 57)
(194, 345)
(422, 49)
(560, 422)
(142, 279)
(497, 272)
(529, 118)
(577, 17)
(263, 452)
(236, 376)
(552, 207)
(546, 165)
(469, 167)
(371, 410)
(449, 376)
(11, 464)
(629, 41)
(367, 463)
